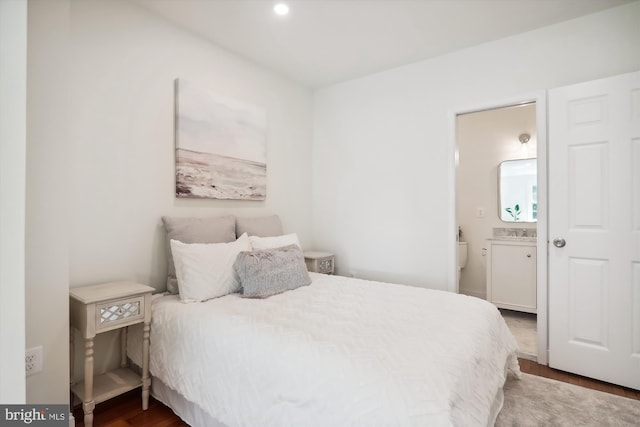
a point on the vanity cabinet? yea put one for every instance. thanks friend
(511, 274)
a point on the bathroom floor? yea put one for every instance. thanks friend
(523, 327)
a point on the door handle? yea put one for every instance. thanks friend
(559, 242)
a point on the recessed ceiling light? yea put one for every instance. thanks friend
(281, 9)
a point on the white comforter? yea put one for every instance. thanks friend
(339, 352)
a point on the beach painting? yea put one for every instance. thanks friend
(220, 146)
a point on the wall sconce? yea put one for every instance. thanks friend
(524, 138)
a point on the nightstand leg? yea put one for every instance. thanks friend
(123, 347)
(146, 381)
(88, 405)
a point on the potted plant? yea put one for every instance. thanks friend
(515, 212)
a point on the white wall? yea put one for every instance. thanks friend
(13, 142)
(101, 158)
(124, 64)
(485, 139)
(47, 273)
(47, 215)
(382, 157)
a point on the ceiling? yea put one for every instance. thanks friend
(327, 41)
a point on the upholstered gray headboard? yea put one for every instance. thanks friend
(220, 229)
(264, 226)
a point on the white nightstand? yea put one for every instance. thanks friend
(102, 308)
(319, 262)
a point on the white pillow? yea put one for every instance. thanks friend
(258, 243)
(205, 270)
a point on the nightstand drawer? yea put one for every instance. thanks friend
(119, 312)
(325, 265)
(319, 262)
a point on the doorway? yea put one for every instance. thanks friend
(514, 132)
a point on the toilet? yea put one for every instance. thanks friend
(462, 258)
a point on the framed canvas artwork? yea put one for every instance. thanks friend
(220, 146)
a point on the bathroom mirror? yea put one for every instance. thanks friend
(518, 190)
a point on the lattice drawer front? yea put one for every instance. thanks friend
(118, 312)
(325, 265)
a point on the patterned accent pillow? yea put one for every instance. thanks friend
(267, 272)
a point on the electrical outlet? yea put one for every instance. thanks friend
(33, 360)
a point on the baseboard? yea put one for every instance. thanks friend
(531, 357)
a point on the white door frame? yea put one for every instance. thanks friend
(540, 98)
(13, 143)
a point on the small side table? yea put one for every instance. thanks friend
(102, 308)
(319, 262)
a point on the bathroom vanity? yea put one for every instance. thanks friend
(511, 274)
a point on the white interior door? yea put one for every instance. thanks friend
(594, 206)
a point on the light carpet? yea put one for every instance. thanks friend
(538, 401)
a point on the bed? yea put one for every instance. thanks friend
(339, 351)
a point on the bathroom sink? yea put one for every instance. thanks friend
(515, 238)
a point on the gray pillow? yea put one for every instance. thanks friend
(264, 226)
(267, 272)
(195, 230)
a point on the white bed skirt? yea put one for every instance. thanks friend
(188, 411)
(195, 416)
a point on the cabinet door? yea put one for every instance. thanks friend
(513, 276)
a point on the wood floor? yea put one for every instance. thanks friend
(533, 368)
(126, 411)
